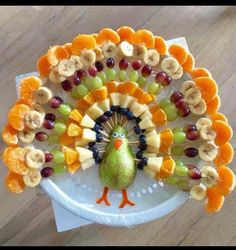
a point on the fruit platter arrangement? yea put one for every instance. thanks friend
(121, 104)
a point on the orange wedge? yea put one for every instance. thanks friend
(189, 64)
(56, 54)
(43, 66)
(145, 37)
(108, 34)
(200, 72)
(223, 132)
(208, 86)
(9, 135)
(225, 154)
(126, 33)
(160, 45)
(14, 182)
(179, 53)
(82, 42)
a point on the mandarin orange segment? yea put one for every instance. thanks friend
(142, 96)
(213, 105)
(43, 66)
(6, 151)
(208, 86)
(75, 115)
(82, 42)
(27, 87)
(100, 94)
(111, 86)
(97, 38)
(218, 116)
(82, 105)
(179, 53)
(127, 88)
(166, 137)
(226, 180)
(167, 168)
(14, 182)
(89, 98)
(189, 64)
(68, 47)
(66, 140)
(74, 130)
(223, 132)
(154, 108)
(145, 37)
(56, 54)
(108, 34)
(160, 45)
(74, 167)
(126, 33)
(159, 117)
(214, 200)
(200, 72)
(71, 155)
(9, 135)
(16, 116)
(225, 154)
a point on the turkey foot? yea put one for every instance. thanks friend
(125, 200)
(103, 198)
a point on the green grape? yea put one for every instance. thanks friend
(164, 103)
(88, 83)
(183, 185)
(111, 74)
(53, 139)
(171, 180)
(60, 127)
(103, 76)
(122, 75)
(52, 151)
(171, 112)
(64, 109)
(177, 150)
(142, 81)
(74, 94)
(82, 90)
(152, 88)
(178, 129)
(58, 156)
(179, 163)
(179, 137)
(160, 87)
(97, 82)
(60, 119)
(133, 75)
(60, 168)
(181, 170)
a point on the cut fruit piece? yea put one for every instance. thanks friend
(115, 99)
(43, 66)
(142, 96)
(126, 33)
(55, 54)
(6, 152)
(214, 201)
(126, 101)
(146, 113)
(208, 86)
(27, 87)
(71, 155)
(74, 130)
(66, 139)
(97, 38)
(153, 139)
(16, 116)
(111, 86)
(94, 111)
(81, 142)
(179, 53)
(9, 135)
(82, 105)
(167, 168)
(138, 109)
(100, 94)
(108, 34)
(127, 88)
(225, 154)
(226, 180)
(89, 135)
(200, 72)
(82, 42)
(73, 167)
(146, 123)
(89, 98)
(213, 105)
(145, 37)
(160, 45)
(87, 121)
(155, 163)
(166, 137)
(75, 115)
(218, 116)
(152, 150)
(154, 108)
(189, 64)
(87, 163)
(14, 182)
(84, 154)
(223, 132)
(159, 117)
(68, 47)
(104, 105)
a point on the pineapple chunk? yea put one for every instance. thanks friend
(155, 163)
(84, 154)
(94, 111)
(153, 139)
(138, 109)
(149, 155)
(147, 113)
(126, 101)
(80, 142)
(89, 134)
(115, 99)
(146, 123)
(87, 164)
(87, 121)
(104, 105)
(151, 174)
(151, 149)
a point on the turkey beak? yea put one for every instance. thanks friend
(117, 143)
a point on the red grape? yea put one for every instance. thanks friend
(160, 77)
(81, 74)
(99, 66)
(93, 70)
(146, 70)
(110, 62)
(176, 96)
(191, 152)
(166, 81)
(47, 172)
(180, 104)
(189, 127)
(48, 124)
(194, 174)
(183, 112)
(192, 135)
(48, 157)
(55, 102)
(50, 117)
(75, 80)
(136, 65)
(123, 64)
(67, 85)
(41, 136)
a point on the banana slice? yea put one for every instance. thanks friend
(87, 58)
(178, 74)
(193, 96)
(209, 176)
(152, 57)
(109, 49)
(125, 49)
(187, 85)
(54, 77)
(76, 60)
(207, 151)
(42, 95)
(33, 178)
(207, 133)
(99, 54)
(26, 136)
(198, 192)
(202, 122)
(139, 51)
(199, 108)
(169, 65)
(33, 119)
(38, 108)
(35, 158)
(66, 68)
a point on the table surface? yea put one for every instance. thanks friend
(28, 31)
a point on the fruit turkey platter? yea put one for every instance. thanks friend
(117, 106)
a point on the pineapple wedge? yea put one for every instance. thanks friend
(84, 154)
(138, 109)
(155, 163)
(87, 121)
(153, 139)
(147, 113)
(89, 135)
(126, 101)
(151, 174)
(87, 164)
(104, 105)
(115, 99)
(80, 142)
(94, 111)
(151, 149)
(146, 123)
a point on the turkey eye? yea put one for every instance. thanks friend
(122, 135)
(115, 134)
